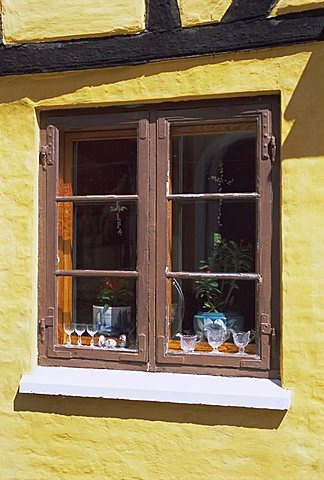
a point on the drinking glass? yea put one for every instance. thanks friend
(80, 328)
(241, 340)
(69, 329)
(92, 330)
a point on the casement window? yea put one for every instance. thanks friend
(157, 224)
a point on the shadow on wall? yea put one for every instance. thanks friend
(163, 412)
(42, 87)
(304, 138)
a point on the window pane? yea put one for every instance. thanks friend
(216, 236)
(97, 236)
(232, 303)
(105, 167)
(108, 304)
(213, 159)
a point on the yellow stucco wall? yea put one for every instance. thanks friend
(33, 20)
(292, 6)
(196, 12)
(56, 438)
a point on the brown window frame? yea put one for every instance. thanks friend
(152, 125)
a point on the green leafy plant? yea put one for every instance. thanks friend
(227, 257)
(114, 293)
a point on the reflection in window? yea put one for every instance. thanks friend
(212, 235)
(98, 235)
(218, 162)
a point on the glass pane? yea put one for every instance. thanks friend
(213, 159)
(226, 304)
(216, 236)
(90, 307)
(105, 167)
(97, 236)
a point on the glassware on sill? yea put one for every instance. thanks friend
(122, 340)
(188, 342)
(110, 343)
(80, 328)
(242, 339)
(216, 336)
(69, 329)
(92, 330)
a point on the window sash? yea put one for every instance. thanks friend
(52, 349)
(190, 119)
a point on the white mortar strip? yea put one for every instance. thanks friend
(156, 387)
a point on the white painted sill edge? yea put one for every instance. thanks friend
(157, 387)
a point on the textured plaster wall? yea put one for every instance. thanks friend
(196, 12)
(291, 6)
(32, 20)
(70, 438)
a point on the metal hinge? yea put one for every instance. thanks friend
(46, 322)
(44, 157)
(272, 149)
(47, 152)
(268, 141)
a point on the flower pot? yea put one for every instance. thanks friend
(231, 319)
(234, 320)
(113, 321)
(201, 320)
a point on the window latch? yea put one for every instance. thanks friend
(265, 325)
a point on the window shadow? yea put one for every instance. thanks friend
(305, 111)
(150, 411)
(48, 86)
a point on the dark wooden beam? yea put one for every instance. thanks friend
(245, 9)
(162, 15)
(1, 37)
(155, 46)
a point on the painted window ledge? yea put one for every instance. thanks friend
(156, 387)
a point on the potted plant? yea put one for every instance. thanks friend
(113, 314)
(218, 296)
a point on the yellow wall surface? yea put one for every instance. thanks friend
(292, 6)
(45, 438)
(33, 20)
(196, 12)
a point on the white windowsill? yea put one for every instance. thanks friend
(156, 387)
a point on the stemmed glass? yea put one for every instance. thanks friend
(92, 330)
(69, 329)
(80, 328)
(242, 339)
(216, 336)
